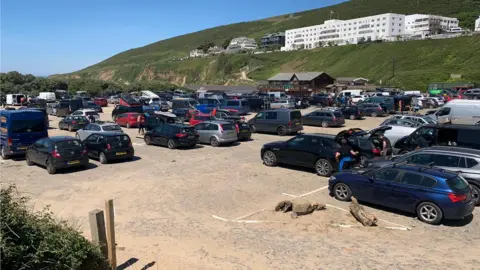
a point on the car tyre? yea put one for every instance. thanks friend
(253, 129)
(323, 167)
(429, 213)
(128, 125)
(148, 140)
(70, 128)
(102, 158)
(374, 114)
(29, 162)
(281, 131)
(171, 144)
(352, 117)
(476, 194)
(269, 158)
(324, 124)
(214, 142)
(342, 192)
(50, 168)
(3, 153)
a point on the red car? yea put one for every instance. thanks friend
(128, 119)
(102, 102)
(199, 118)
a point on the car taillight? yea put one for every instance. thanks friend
(84, 152)
(289, 123)
(237, 128)
(376, 151)
(379, 109)
(109, 147)
(457, 198)
(74, 122)
(221, 128)
(55, 154)
(180, 135)
(334, 118)
(9, 141)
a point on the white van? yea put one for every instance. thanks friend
(459, 111)
(150, 97)
(352, 92)
(411, 92)
(48, 96)
(15, 99)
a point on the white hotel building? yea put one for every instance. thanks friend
(420, 24)
(388, 26)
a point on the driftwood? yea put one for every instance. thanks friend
(361, 215)
(299, 207)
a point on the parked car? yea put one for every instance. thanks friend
(73, 123)
(172, 135)
(321, 100)
(184, 107)
(464, 161)
(358, 98)
(99, 127)
(372, 109)
(199, 118)
(433, 194)
(400, 123)
(239, 105)
(102, 102)
(114, 99)
(324, 118)
(352, 112)
(306, 150)
(281, 121)
(419, 119)
(216, 132)
(86, 113)
(128, 119)
(57, 152)
(92, 106)
(243, 130)
(108, 146)
(120, 109)
(282, 104)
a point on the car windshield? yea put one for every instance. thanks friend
(22, 126)
(111, 128)
(457, 183)
(68, 144)
(429, 120)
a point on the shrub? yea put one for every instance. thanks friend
(35, 240)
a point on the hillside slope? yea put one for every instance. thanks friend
(153, 62)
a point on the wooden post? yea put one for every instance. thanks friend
(112, 256)
(97, 229)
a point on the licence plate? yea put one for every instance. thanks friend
(120, 153)
(73, 162)
(21, 147)
(244, 130)
(297, 123)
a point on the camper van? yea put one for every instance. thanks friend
(352, 92)
(48, 96)
(15, 99)
(149, 97)
(459, 111)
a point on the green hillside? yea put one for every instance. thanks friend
(419, 60)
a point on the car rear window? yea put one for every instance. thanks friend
(338, 114)
(111, 128)
(22, 126)
(117, 139)
(186, 130)
(295, 115)
(457, 183)
(91, 113)
(228, 127)
(69, 144)
(81, 118)
(365, 143)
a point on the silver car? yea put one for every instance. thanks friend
(100, 127)
(216, 132)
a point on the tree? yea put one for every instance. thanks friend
(205, 46)
(226, 42)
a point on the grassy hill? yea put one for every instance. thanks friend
(419, 60)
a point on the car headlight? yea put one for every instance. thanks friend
(332, 178)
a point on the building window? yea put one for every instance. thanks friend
(393, 24)
(384, 18)
(378, 19)
(383, 30)
(399, 24)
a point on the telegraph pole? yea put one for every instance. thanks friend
(393, 68)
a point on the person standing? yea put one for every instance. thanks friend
(386, 146)
(91, 118)
(344, 154)
(141, 124)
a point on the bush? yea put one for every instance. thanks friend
(34, 240)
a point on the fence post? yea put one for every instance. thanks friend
(97, 229)
(112, 256)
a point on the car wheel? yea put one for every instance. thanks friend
(50, 168)
(128, 125)
(214, 142)
(342, 192)
(352, 117)
(3, 153)
(374, 114)
(324, 124)
(253, 129)
(70, 128)
(148, 140)
(282, 131)
(476, 195)
(269, 158)
(171, 144)
(103, 158)
(429, 213)
(29, 162)
(323, 167)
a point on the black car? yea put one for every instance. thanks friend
(321, 100)
(57, 153)
(305, 150)
(91, 105)
(73, 123)
(352, 112)
(119, 109)
(243, 130)
(107, 146)
(324, 118)
(366, 143)
(372, 109)
(172, 135)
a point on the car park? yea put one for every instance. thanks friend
(433, 194)
(216, 132)
(172, 135)
(127, 120)
(371, 109)
(282, 122)
(324, 118)
(58, 152)
(72, 123)
(98, 127)
(315, 151)
(351, 112)
(109, 146)
(464, 161)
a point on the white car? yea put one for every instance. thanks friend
(356, 99)
(87, 113)
(419, 119)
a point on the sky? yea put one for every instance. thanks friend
(45, 37)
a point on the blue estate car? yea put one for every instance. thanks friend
(432, 193)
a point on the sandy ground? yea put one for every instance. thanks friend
(201, 209)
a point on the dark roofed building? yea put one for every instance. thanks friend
(299, 83)
(352, 81)
(275, 39)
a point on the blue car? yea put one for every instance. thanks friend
(431, 193)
